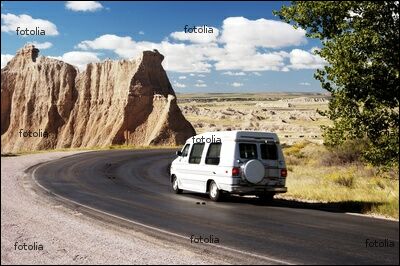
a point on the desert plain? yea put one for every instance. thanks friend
(293, 116)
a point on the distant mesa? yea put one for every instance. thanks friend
(113, 102)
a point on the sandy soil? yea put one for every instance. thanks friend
(69, 237)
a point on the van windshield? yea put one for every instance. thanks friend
(269, 151)
(248, 151)
(185, 150)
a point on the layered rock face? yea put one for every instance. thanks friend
(112, 102)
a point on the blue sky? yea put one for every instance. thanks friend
(249, 50)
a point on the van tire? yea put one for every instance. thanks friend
(214, 192)
(175, 186)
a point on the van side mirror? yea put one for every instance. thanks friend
(179, 153)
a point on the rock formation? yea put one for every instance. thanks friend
(112, 102)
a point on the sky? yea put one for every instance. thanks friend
(246, 48)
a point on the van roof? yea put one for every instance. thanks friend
(237, 135)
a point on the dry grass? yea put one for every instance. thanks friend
(340, 180)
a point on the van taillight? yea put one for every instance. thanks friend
(283, 172)
(235, 171)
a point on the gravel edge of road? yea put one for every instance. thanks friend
(68, 236)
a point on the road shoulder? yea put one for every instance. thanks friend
(66, 235)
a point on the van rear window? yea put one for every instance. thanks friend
(195, 154)
(213, 153)
(269, 151)
(248, 151)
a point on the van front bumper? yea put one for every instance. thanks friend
(252, 189)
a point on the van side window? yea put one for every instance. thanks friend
(248, 151)
(195, 154)
(185, 150)
(269, 151)
(213, 153)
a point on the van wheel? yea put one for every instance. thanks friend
(214, 192)
(175, 186)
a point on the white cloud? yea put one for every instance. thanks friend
(301, 59)
(196, 37)
(5, 58)
(261, 33)
(42, 46)
(179, 57)
(10, 22)
(182, 77)
(179, 85)
(192, 75)
(304, 84)
(256, 74)
(141, 32)
(84, 6)
(242, 39)
(78, 58)
(186, 58)
(237, 84)
(250, 62)
(230, 73)
(242, 45)
(201, 75)
(200, 81)
(123, 46)
(200, 85)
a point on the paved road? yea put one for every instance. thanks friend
(134, 185)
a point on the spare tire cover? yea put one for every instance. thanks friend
(254, 171)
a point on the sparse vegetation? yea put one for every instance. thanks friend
(334, 175)
(349, 152)
(338, 176)
(258, 111)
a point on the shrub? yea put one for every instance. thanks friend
(296, 149)
(349, 152)
(292, 160)
(343, 178)
(347, 181)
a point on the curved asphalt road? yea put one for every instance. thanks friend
(135, 185)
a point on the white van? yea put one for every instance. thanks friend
(236, 162)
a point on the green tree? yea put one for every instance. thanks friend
(361, 46)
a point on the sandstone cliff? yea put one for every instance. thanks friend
(112, 102)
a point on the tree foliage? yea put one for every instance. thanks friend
(361, 47)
